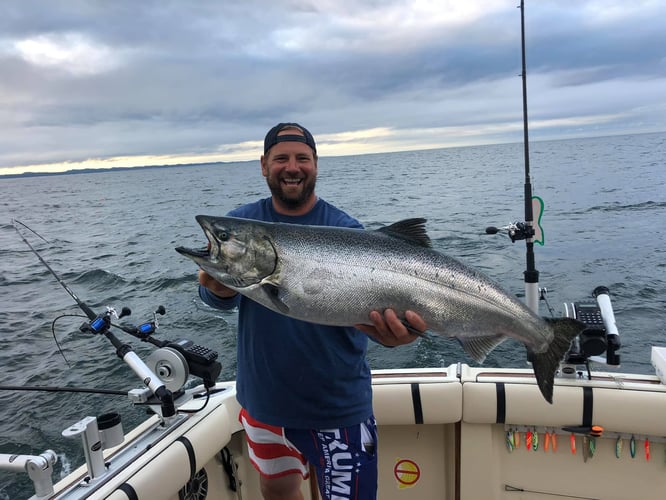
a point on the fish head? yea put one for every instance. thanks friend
(239, 253)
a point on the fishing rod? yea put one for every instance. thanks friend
(82, 305)
(180, 357)
(526, 230)
(101, 324)
(531, 273)
(601, 334)
(84, 390)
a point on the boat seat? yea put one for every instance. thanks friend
(629, 411)
(418, 403)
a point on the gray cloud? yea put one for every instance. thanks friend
(86, 79)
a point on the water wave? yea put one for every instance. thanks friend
(168, 283)
(619, 207)
(98, 278)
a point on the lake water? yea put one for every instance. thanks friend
(112, 236)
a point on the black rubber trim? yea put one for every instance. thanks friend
(190, 454)
(129, 491)
(588, 406)
(416, 402)
(501, 403)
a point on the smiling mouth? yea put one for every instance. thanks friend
(292, 182)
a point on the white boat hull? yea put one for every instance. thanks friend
(442, 434)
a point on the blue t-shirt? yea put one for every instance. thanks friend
(292, 373)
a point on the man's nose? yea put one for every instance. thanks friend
(292, 164)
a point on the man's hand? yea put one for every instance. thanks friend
(387, 329)
(207, 281)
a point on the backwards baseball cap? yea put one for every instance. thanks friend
(272, 137)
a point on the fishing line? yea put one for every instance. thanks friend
(62, 353)
(16, 221)
(84, 307)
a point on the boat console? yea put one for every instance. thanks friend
(599, 342)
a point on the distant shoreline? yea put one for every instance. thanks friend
(179, 165)
(115, 169)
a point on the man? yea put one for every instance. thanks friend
(305, 389)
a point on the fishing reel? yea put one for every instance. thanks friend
(516, 231)
(167, 369)
(175, 361)
(598, 338)
(102, 322)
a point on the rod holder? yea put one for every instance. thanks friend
(97, 434)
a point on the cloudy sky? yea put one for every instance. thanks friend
(117, 83)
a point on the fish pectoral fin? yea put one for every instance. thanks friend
(273, 293)
(479, 347)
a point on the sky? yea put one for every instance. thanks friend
(99, 84)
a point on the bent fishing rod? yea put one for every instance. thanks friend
(200, 361)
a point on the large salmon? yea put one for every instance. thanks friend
(336, 276)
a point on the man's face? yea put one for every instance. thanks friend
(290, 169)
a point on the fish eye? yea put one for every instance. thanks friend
(223, 235)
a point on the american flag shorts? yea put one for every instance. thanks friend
(345, 459)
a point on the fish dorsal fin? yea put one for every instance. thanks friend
(479, 347)
(410, 230)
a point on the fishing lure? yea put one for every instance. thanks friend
(572, 440)
(632, 447)
(593, 446)
(510, 441)
(586, 448)
(528, 440)
(553, 441)
(547, 440)
(535, 440)
(647, 449)
(516, 439)
(618, 447)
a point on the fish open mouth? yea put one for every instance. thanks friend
(202, 253)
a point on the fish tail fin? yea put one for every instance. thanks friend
(546, 363)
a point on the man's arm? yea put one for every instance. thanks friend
(215, 294)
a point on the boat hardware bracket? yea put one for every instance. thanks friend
(38, 467)
(97, 434)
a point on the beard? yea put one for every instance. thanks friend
(292, 198)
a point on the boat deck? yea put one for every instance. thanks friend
(443, 434)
